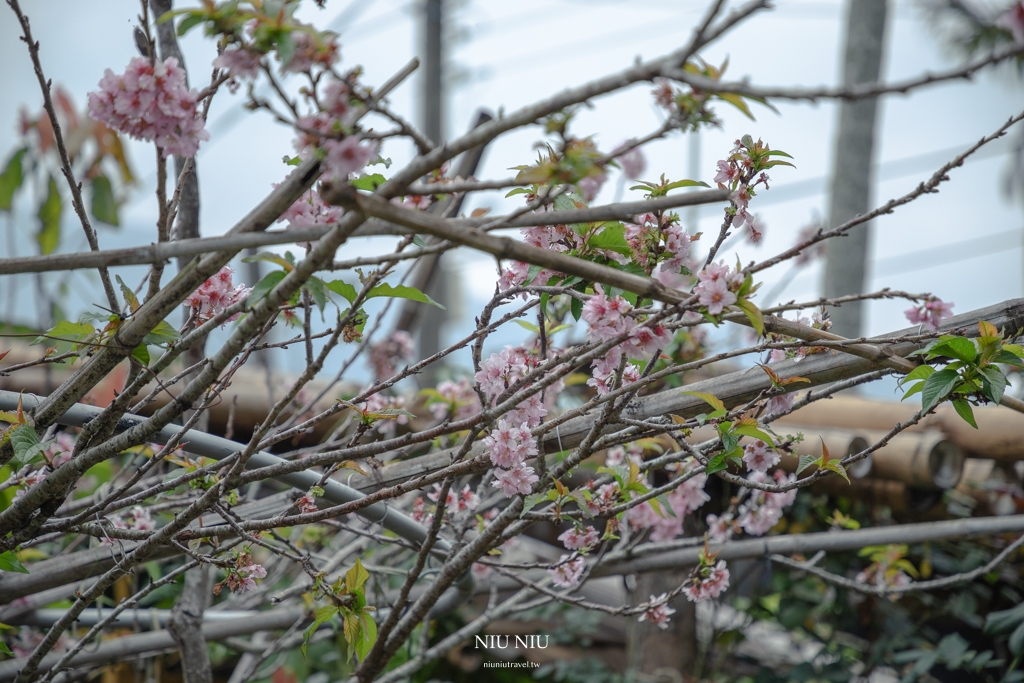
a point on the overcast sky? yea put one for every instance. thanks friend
(505, 55)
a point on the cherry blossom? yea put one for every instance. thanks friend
(239, 62)
(659, 612)
(590, 186)
(455, 399)
(618, 455)
(151, 102)
(216, 294)
(708, 582)
(387, 354)
(930, 314)
(60, 450)
(307, 503)
(633, 162)
(583, 538)
(1012, 20)
(310, 210)
(310, 50)
(568, 572)
(519, 479)
(759, 457)
(715, 295)
(141, 519)
(510, 445)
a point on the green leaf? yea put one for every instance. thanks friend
(368, 182)
(129, 295)
(263, 287)
(1016, 642)
(343, 288)
(955, 347)
(805, 462)
(528, 326)
(5, 650)
(834, 466)
(710, 399)
(188, 22)
(163, 333)
(49, 219)
(322, 614)
(402, 292)
(1004, 620)
(753, 431)
(271, 257)
(993, 383)
(576, 308)
(937, 387)
(11, 179)
(717, 463)
(419, 241)
(612, 238)
(141, 354)
(104, 206)
(913, 390)
(753, 314)
(531, 501)
(685, 183)
(9, 563)
(964, 410)
(736, 101)
(317, 289)
(285, 48)
(66, 330)
(920, 372)
(26, 444)
(367, 635)
(356, 577)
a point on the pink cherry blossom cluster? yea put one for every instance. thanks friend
(652, 239)
(684, 499)
(633, 162)
(60, 450)
(307, 503)
(387, 354)
(736, 172)
(510, 443)
(762, 510)
(310, 210)
(151, 102)
(455, 501)
(560, 238)
(242, 577)
(759, 456)
(240, 62)
(716, 287)
(707, 582)
(140, 520)
(216, 294)
(342, 157)
(581, 538)
(567, 572)
(603, 499)
(619, 455)
(454, 399)
(658, 612)
(930, 314)
(590, 186)
(310, 50)
(1012, 20)
(608, 319)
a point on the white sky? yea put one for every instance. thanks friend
(506, 55)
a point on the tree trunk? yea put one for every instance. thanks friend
(852, 166)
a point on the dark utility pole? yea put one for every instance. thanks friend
(428, 332)
(852, 164)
